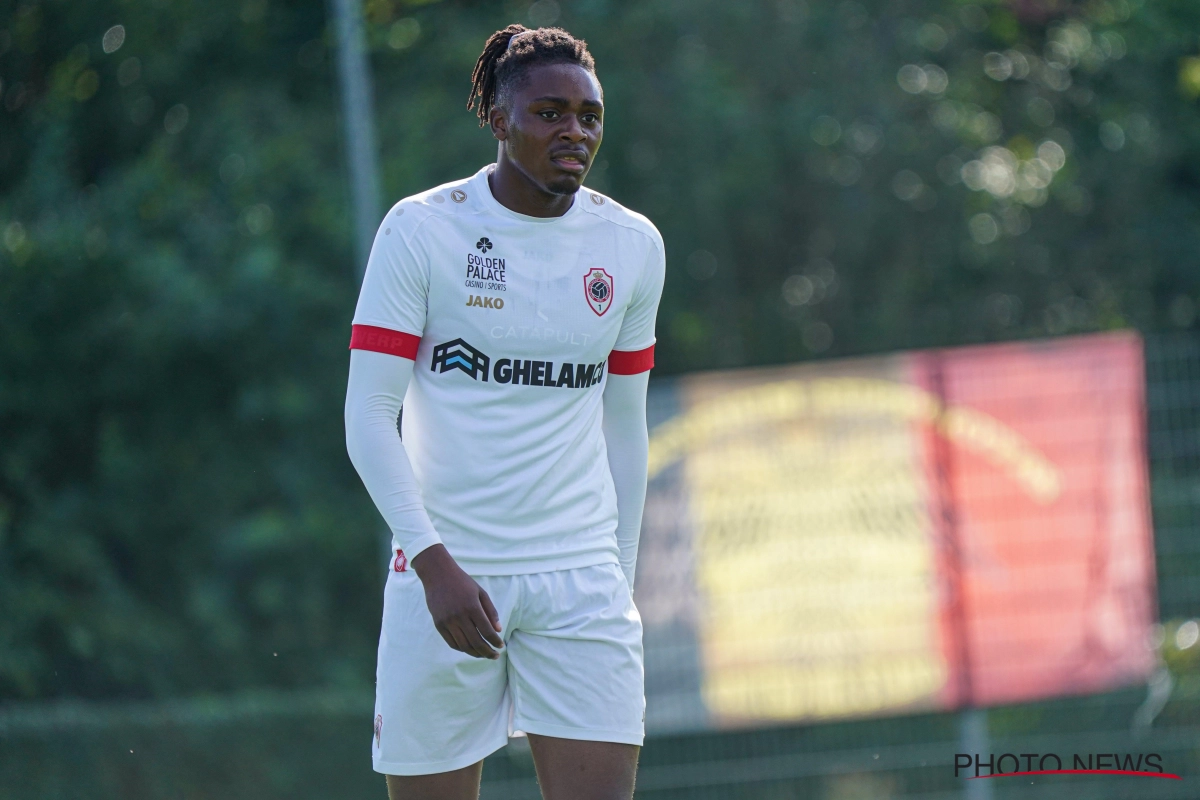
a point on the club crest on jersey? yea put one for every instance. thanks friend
(598, 288)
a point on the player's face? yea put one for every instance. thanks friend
(553, 126)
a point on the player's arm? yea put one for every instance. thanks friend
(390, 315)
(461, 610)
(625, 431)
(628, 443)
(374, 395)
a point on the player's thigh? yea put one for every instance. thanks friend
(461, 784)
(575, 660)
(574, 769)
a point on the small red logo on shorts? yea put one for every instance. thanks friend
(400, 564)
(378, 728)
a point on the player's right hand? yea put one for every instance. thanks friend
(462, 611)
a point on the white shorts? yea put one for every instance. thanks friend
(571, 667)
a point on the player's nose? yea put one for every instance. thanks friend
(572, 131)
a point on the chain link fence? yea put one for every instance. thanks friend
(316, 744)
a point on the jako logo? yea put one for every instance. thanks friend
(460, 355)
(485, 302)
(484, 244)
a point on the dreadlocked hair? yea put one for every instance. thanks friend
(503, 59)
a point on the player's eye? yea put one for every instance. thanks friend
(590, 119)
(548, 114)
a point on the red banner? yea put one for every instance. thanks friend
(1043, 527)
(923, 530)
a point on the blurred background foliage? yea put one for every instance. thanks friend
(177, 514)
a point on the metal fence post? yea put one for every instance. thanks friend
(973, 739)
(358, 119)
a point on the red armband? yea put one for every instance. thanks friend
(630, 362)
(382, 340)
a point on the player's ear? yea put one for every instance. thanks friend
(498, 120)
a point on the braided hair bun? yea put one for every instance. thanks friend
(509, 52)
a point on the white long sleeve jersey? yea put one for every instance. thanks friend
(514, 324)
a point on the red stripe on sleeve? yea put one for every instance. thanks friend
(630, 362)
(382, 340)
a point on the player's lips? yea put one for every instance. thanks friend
(570, 160)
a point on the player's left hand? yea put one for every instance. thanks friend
(462, 611)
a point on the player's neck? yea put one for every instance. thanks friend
(516, 192)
